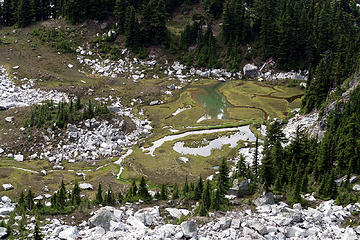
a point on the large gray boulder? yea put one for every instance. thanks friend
(267, 198)
(250, 70)
(102, 218)
(189, 229)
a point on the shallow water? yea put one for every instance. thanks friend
(215, 103)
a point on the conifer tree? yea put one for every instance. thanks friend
(224, 175)
(29, 199)
(24, 13)
(133, 188)
(109, 197)
(120, 197)
(7, 13)
(164, 192)
(175, 194)
(75, 196)
(201, 209)
(185, 189)
(198, 189)
(61, 196)
(295, 195)
(1, 16)
(241, 171)
(21, 201)
(37, 234)
(99, 197)
(120, 13)
(132, 30)
(256, 157)
(143, 191)
(217, 199)
(206, 196)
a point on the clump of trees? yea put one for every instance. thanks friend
(59, 115)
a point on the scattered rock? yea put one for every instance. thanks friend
(19, 158)
(267, 198)
(152, 103)
(7, 186)
(189, 229)
(9, 119)
(3, 232)
(176, 213)
(102, 218)
(70, 233)
(86, 186)
(356, 187)
(250, 70)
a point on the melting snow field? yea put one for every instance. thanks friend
(243, 133)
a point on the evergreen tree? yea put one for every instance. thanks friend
(163, 193)
(133, 188)
(132, 30)
(75, 196)
(109, 197)
(29, 200)
(256, 157)
(206, 197)
(120, 13)
(198, 189)
(99, 197)
(143, 191)
(217, 199)
(37, 234)
(7, 13)
(295, 195)
(120, 197)
(61, 196)
(175, 194)
(224, 175)
(1, 16)
(24, 13)
(185, 189)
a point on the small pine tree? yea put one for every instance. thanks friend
(120, 197)
(29, 199)
(206, 196)
(75, 196)
(256, 157)
(61, 196)
(37, 234)
(99, 197)
(143, 191)
(241, 171)
(133, 189)
(216, 201)
(164, 192)
(224, 175)
(185, 189)
(198, 189)
(175, 194)
(109, 197)
(202, 209)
